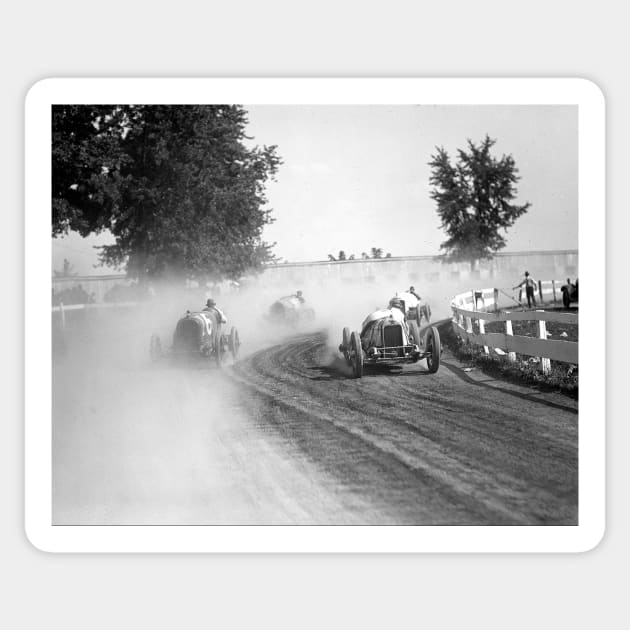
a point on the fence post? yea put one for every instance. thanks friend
(553, 288)
(496, 299)
(479, 296)
(63, 316)
(545, 363)
(482, 331)
(508, 331)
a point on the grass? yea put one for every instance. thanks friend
(563, 377)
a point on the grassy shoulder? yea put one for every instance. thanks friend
(562, 378)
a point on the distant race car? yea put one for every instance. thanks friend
(387, 338)
(569, 293)
(414, 308)
(198, 334)
(290, 310)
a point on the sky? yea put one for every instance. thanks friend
(357, 177)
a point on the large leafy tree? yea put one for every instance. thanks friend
(177, 186)
(474, 196)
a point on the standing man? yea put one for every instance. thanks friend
(530, 285)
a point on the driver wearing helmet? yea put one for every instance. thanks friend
(299, 296)
(211, 307)
(396, 302)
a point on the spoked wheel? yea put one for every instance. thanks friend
(155, 348)
(566, 300)
(345, 344)
(356, 355)
(433, 346)
(234, 343)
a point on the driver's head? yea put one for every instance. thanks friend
(396, 303)
(211, 302)
(299, 293)
(412, 288)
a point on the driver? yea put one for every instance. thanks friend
(211, 307)
(299, 296)
(412, 290)
(394, 310)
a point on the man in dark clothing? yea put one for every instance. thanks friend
(211, 306)
(412, 290)
(530, 285)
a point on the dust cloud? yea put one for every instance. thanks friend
(137, 442)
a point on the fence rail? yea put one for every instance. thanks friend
(481, 306)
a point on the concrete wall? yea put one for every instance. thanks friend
(424, 269)
(397, 272)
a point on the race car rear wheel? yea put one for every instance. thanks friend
(345, 342)
(433, 346)
(234, 343)
(155, 348)
(356, 355)
(566, 300)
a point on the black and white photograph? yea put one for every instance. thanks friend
(314, 314)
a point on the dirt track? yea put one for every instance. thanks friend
(284, 436)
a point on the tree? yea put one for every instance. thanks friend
(474, 198)
(176, 185)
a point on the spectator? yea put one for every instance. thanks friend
(530, 285)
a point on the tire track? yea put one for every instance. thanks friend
(495, 465)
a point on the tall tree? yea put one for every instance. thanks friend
(474, 196)
(177, 186)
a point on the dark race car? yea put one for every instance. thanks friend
(387, 338)
(569, 293)
(198, 334)
(290, 309)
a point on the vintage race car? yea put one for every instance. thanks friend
(198, 334)
(291, 310)
(414, 308)
(387, 338)
(569, 293)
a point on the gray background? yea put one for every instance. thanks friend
(318, 39)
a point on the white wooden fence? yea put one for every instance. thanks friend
(481, 306)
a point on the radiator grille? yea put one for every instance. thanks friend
(187, 335)
(392, 336)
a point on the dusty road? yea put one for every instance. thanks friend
(284, 437)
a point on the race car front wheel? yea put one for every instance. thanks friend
(433, 346)
(356, 354)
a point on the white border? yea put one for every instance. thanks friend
(38, 481)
